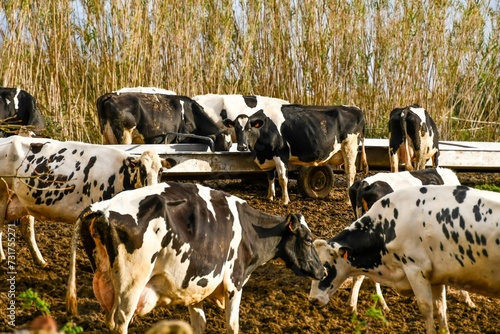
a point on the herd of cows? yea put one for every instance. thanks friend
(150, 244)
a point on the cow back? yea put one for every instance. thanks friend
(312, 131)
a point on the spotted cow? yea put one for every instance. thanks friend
(302, 135)
(175, 243)
(365, 192)
(419, 240)
(53, 180)
(18, 108)
(137, 117)
(413, 137)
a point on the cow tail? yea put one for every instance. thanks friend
(364, 161)
(406, 157)
(71, 302)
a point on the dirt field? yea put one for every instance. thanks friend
(274, 299)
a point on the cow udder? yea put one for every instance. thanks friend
(103, 290)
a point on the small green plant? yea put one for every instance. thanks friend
(30, 299)
(71, 328)
(490, 187)
(373, 313)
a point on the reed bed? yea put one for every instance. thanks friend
(377, 54)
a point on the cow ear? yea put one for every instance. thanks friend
(257, 123)
(344, 252)
(293, 222)
(318, 243)
(229, 123)
(133, 161)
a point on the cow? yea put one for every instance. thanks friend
(138, 118)
(53, 180)
(419, 240)
(182, 243)
(302, 135)
(413, 136)
(18, 108)
(364, 193)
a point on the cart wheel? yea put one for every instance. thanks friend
(315, 182)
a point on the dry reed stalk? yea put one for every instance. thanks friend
(376, 54)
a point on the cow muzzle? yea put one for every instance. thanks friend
(318, 301)
(242, 147)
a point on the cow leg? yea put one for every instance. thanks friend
(378, 289)
(353, 297)
(466, 298)
(439, 298)
(198, 319)
(435, 159)
(233, 311)
(283, 180)
(395, 144)
(2, 253)
(407, 156)
(28, 234)
(421, 155)
(129, 283)
(271, 192)
(349, 153)
(4, 200)
(423, 294)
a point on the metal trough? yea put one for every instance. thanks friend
(456, 155)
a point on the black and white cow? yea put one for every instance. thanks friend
(18, 108)
(363, 194)
(302, 135)
(175, 243)
(222, 106)
(420, 239)
(135, 117)
(413, 136)
(53, 180)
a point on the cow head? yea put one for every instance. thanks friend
(144, 170)
(246, 129)
(297, 250)
(222, 141)
(334, 258)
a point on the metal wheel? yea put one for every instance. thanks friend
(315, 182)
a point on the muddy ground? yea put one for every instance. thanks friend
(274, 299)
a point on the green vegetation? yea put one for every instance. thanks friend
(31, 301)
(490, 187)
(378, 55)
(372, 314)
(71, 328)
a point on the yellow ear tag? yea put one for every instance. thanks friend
(345, 255)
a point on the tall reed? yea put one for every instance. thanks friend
(378, 55)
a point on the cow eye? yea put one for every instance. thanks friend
(308, 242)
